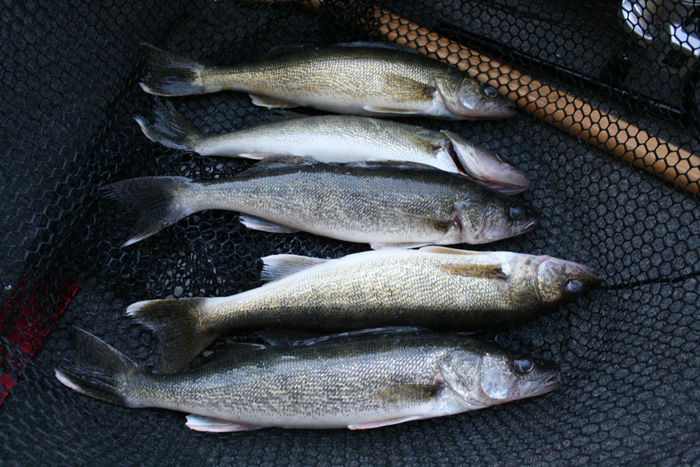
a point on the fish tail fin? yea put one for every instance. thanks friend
(156, 201)
(178, 325)
(169, 127)
(171, 75)
(101, 371)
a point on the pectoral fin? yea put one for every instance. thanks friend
(402, 393)
(410, 89)
(381, 423)
(483, 271)
(390, 111)
(215, 425)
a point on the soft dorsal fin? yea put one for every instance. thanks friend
(381, 45)
(285, 49)
(449, 251)
(278, 266)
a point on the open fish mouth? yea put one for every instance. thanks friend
(542, 386)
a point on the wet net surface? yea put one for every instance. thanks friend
(629, 350)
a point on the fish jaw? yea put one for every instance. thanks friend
(502, 218)
(486, 167)
(465, 98)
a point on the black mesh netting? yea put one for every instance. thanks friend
(629, 350)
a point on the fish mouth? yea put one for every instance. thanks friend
(529, 226)
(553, 382)
(544, 385)
(492, 112)
(517, 183)
(588, 276)
(501, 112)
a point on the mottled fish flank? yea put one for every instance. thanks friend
(380, 203)
(339, 138)
(362, 79)
(360, 380)
(434, 287)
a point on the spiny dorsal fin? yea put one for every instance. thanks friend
(342, 335)
(276, 336)
(484, 271)
(277, 161)
(278, 266)
(385, 163)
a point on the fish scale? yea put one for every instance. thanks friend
(434, 287)
(357, 380)
(360, 79)
(380, 203)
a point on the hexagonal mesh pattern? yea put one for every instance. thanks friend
(629, 351)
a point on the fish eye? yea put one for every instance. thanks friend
(516, 212)
(574, 287)
(489, 91)
(523, 365)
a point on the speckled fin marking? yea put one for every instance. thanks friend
(215, 425)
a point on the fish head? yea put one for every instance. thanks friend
(487, 168)
(495, 218)
(485, 374)
(559, 281)
(467, 98)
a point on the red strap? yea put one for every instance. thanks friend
(26, 319)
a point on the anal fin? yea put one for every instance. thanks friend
(278, 266)
(257, 223)
(271, 102)
(256, 155)
(215, 425)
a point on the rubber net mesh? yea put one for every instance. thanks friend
(629, 350)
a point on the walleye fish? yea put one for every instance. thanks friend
(372, 79)
(356, 380)
(340, 138)
(434, 287)
(380, 203)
